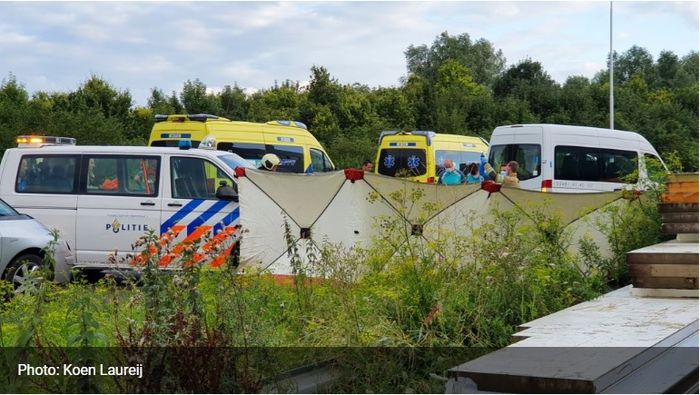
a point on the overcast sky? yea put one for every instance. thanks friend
(140, 45)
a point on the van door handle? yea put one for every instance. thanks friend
(148, 204)
(174, 204)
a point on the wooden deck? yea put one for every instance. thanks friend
(607, 344)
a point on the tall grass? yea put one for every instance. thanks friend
(405, 291)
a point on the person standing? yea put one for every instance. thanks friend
(511, 178)
(368, 166)
(508, 175)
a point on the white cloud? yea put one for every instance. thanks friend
(153, 44)
(13, 39)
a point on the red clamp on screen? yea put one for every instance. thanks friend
(354, 174)
(490, 186)
(631, 194)
(239, 171)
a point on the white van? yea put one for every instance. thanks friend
(103, 198)
(560, 158)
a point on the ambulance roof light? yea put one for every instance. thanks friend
(429, 134)
(201, 117)
(40, 141)
(187, 117)
(284, 122)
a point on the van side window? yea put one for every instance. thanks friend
(118, 175)
(594, 164)
(527, 155)
(250, 152)
(319, 161)
(291, 157)
(46, 174)
(461, 159)
(196, 178)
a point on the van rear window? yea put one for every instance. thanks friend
(47, 174)
(402, 162)
(527, 155)
(594, 164)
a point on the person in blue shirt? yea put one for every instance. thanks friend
(473, 177)
(451, 175)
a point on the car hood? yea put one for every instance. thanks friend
(22, 226)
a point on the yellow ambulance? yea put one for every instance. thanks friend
(298, 150)
(419, 155)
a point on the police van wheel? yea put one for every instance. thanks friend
(21, 271)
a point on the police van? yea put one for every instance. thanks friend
(103, 198)
(419, 155)
(573, 159)
(297, 148)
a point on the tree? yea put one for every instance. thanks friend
(323, 89)
(635, 60)
(97, 95)
(233, 102)
(12, 92)
(528, 81)
(159, 103)
(175, 104)
(393, 108)
(282, 102)
(576, 105)
(196, 100)
(480, 57)
(320, 110)
(667, 67)
(419, 94)
(456, 94)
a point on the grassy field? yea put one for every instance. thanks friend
(466, 293)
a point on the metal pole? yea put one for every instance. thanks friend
(612, 97)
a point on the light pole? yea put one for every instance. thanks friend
(612, 96)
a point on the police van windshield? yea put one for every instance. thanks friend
(527, 155)
(402, 162)
(233, 161)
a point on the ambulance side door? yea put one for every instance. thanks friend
(119, 201)
(190, 206)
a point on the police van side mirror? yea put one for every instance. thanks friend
(226, 193)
